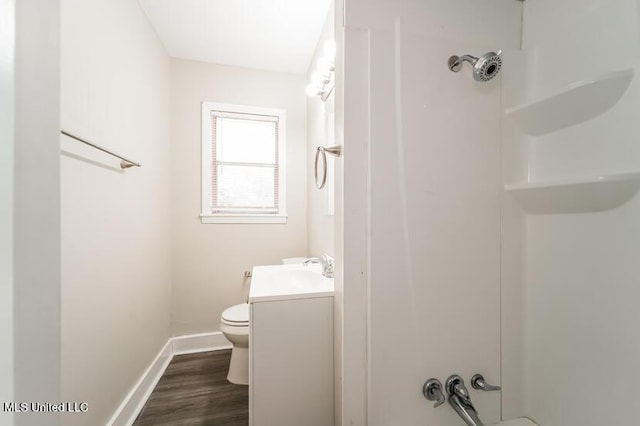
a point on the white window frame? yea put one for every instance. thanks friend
(206, 216)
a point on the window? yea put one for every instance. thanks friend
(243, 169)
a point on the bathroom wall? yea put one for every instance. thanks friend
(321, 204)
(116, 253)
(430, 256)
(209, 259)
(578, 282)
(29, 179)
(36, 208)
(320, 130)
(7, 64)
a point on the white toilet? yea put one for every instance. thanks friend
(234, 324)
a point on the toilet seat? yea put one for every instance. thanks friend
(237, 315)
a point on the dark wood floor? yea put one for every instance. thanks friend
(194, 391)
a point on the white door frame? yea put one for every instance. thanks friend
(352, 220)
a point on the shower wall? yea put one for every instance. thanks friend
(432, 178)
(570, 315)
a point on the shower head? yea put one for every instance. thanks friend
(484, 68)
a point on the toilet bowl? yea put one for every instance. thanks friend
(234, 324)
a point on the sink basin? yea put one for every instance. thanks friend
(296, 281)
(516, 422)
(297, 278)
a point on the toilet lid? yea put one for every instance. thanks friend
(238, 314)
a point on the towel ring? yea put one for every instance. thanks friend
(336, 151)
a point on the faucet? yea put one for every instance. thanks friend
(460, 400)
(311, 260)
(327, 263)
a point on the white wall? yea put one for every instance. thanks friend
(36, 208)
(320, 125)
(432, 143)
(321, 225)
(7, 43)
(209, 260)
(29, 250)
(577, 287)
(115, 225)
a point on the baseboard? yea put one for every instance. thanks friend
(133, 403)
(126, 414)
(203, 342)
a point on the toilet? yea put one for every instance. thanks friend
(234, 324)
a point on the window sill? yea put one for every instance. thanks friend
(243, 218)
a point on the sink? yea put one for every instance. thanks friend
(516, 422)
(297, 278)
(295, 281)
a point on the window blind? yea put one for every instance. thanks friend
(244, 163)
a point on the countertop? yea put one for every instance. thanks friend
(285, 282)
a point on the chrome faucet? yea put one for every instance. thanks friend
(311, 260)
(327, 263)
(460, 400)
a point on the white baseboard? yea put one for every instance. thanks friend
(204, 342)
(133, 403)
(128, 411)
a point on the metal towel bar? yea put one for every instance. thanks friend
(322, 151)
(124, 164)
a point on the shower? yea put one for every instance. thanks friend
(484, 68)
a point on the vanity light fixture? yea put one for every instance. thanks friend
(322, 79)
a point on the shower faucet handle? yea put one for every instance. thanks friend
(432, 390)
(455, 386)
(478, 382)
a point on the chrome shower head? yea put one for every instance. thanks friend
(484, 68)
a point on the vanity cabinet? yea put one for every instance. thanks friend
(291, 376)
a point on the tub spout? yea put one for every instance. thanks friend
(465, 410)
(460, 400)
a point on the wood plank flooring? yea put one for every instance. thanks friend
(194, 391)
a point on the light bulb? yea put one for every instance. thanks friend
(320, 79)
(326, 64)
(316, 78)
(330, 49)
(313, 90)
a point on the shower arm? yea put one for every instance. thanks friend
(456, 64)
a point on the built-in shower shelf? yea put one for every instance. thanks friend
(593, 194)
(575, 104)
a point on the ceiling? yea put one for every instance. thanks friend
(275, 35)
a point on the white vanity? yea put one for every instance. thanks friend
(291, 346)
